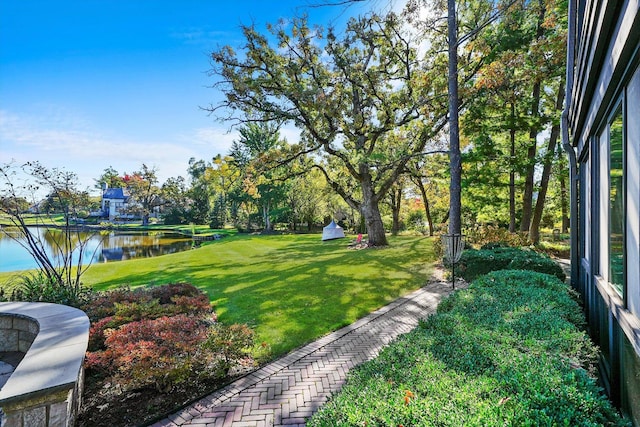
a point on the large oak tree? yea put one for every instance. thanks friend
(348, 95)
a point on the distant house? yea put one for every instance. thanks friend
(602, 135)
(114, 202)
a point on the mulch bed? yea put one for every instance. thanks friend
(104, 405)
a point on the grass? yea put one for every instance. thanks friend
(291, 289)
(34, 219)
(58, 219)
(187, 229)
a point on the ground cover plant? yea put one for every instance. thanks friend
(510, 350)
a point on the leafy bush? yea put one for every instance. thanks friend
(558, 249)
(109, 310)
(167, 351)
(495, 245)
(37, 287)
(474, 263)
(161, 337)
(103, 304)
(510, 350)
(231, 343)
(159, 352)
(485, 234)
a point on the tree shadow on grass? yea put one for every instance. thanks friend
(292, 289)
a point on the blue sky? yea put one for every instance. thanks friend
(88, 84)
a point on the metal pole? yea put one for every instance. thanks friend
(453, 275)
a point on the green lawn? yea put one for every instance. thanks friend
(291, 289)
(33, 219)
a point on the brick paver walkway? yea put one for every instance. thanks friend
(291, 389)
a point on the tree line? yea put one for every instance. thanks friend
(370, 102)
(372, 108)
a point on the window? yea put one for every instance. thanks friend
(616, 203)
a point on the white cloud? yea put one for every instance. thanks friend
(60, 139)
(291, 134)
(71, 145)
(215, 140)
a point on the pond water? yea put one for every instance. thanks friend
(101, 247)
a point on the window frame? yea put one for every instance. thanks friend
(602, 219)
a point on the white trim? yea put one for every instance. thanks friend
(633, 194)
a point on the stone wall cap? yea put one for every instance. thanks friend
(55, 357)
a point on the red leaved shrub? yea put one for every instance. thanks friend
(161, 337)
(192, 301)
(109, 310)
(158, 352)
(166, 293)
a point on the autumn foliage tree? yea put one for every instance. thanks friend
(346, 94)
(145, 192)
(513, 122)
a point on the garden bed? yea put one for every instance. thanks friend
(153, 350)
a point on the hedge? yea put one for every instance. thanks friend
(510, 350)
(474, 263)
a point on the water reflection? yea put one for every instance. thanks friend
(119, 247)
(101, 246)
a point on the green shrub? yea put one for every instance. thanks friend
(510, 350)
(232, 343)
(474, 263)
(37, 287)
(486, 234)
(528, 260)
(495, 245)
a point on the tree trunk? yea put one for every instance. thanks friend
(265, 214)
(446, 216)
(512, 172)
(372, 218)
(527, 196)
(563, 205)
(396, 200)
(534, 232)
(375, 229)
(427, 209)
(455, 161)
